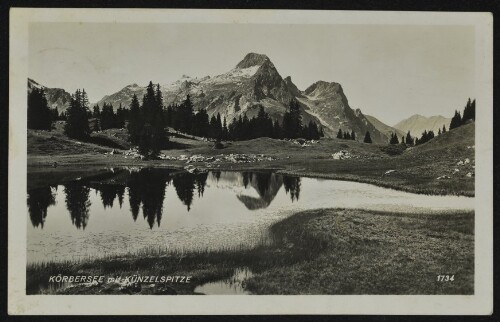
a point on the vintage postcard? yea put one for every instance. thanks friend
(250, 162)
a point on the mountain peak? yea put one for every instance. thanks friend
(252, 59)
(322, 87)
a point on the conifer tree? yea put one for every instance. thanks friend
(339, 134)
(135, 122)
(39, 114)
(456, 120)
(353, 135)
(292, 120)
(444, 129)
(409, 139)
(96, 111)
(77, 124)
(367, 138)
(394, 139)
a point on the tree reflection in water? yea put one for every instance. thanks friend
(78, 203)
(146, 189)
(39, 199)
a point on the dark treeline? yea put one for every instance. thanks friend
(469, 113)
(183, 118)
(147, 122)
(146, 191)
(107, 117)
(39, 115)
(77, 116)
(346, 135)
(146, 125)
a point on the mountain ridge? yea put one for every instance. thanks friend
(254, 82)
(417, 124)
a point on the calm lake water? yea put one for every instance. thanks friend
(123, 211)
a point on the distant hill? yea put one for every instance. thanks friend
(56, 97)
(384, 128)
(416, 124)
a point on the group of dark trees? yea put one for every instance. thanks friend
(346, 135)
(183, 118)
(146, 190)
(40, 116)
(469, 113)
(108, 118)
(147, 120)
(146, 125)
(77, 117)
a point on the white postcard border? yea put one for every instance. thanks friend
(20, 303)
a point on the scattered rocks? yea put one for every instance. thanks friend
(133, 153)
(302, 142)
(341, 155)
(469, 175)
(443, 177)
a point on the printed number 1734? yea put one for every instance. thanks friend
(445, 278)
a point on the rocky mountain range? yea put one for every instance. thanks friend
(56, 97)
(255, 81)
(416, 124)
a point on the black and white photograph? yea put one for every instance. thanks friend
(244, 158)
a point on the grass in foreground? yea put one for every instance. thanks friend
(324, 251)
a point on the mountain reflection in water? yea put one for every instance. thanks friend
(146, 191)
(121, 211)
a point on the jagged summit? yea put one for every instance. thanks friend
(291, 86)
(323, 88)
(253, 59)
(255, 82)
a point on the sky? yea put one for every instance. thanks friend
(390, 72)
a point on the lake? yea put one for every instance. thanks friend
(122, 211)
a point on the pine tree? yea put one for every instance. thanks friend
(134, 126)
(473, 110)
(120, 117)
(292, 120)
(439, 132)
(339, 134)
(353, 135)
(39, 114)
(77, 124)
(394, 139)
(225, 132)
(185, 115)
(456, 120)
(409, 139)
(96, 111)
(444, 129)
(367, 138)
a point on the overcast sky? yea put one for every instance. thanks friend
(390, 72)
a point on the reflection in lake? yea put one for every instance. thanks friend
(39, 199)
(100, 214)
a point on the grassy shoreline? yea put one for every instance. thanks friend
(323, 251)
